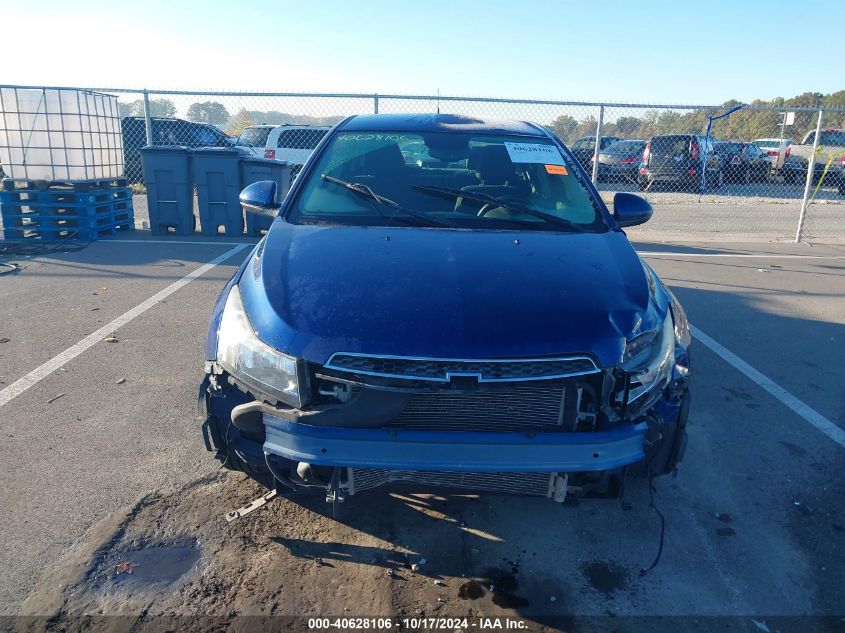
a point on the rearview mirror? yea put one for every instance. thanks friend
(260, 198)
(630, 209)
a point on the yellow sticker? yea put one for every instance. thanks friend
(557, 169)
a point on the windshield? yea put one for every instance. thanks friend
(832, 137)
(584, 143)
(625, 147)
(454, 179)
(301, 138)
(670, 145)
(253, 137)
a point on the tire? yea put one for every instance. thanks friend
(663, 458)
(842, 187)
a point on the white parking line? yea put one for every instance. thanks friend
(801, 408)
(767, 256)
(42, 371)
(200, 243)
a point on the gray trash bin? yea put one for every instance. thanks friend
(217, 177)
(255, 169)
(170, 194)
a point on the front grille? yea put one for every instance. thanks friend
(518, 408)
(443, 370)
(537, 484)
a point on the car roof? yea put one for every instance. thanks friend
(269, 126)
(437, 123)
(300, 126)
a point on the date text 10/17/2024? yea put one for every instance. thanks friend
(417, 624)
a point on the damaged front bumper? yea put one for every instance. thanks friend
(454, 451)
(279, 447)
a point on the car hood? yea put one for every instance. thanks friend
(311, 291)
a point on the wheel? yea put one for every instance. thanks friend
(642, 184)
(667, 444)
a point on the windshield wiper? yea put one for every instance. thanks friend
(365, 192)
(483, 197)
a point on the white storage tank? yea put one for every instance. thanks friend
(59, 134)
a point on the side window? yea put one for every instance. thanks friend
(811, 138)
(204, 137)
(169, 133)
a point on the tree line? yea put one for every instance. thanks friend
(215, 113)
(743, 125)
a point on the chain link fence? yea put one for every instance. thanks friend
(712, 172)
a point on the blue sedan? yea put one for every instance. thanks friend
(446, 302)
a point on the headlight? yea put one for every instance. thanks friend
(250, 360)
(682, 332)
(651, 368)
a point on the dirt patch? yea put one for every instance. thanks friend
(175, 555)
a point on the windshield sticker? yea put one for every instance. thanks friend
(534, 153)
(373, 137)
(559, 170)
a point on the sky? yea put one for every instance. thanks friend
(644, 52)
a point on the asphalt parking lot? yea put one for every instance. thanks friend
(754, 524)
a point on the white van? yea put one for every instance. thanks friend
(293, 143)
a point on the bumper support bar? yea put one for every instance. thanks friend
(454, 451)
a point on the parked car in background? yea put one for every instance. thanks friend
(584, 149)
(293, 144)
(253, 139)
(831, 156)
(165, 131)
(679, 159)
(354, 347)
(743, 162)
(620, 161)
(776, 148)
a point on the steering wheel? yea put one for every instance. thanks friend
(489, 206)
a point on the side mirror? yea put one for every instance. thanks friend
(260, 198)
(630, 209)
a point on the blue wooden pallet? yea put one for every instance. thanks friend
(21, 197)
(10, 184)
(59, 233)
(52, 224)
